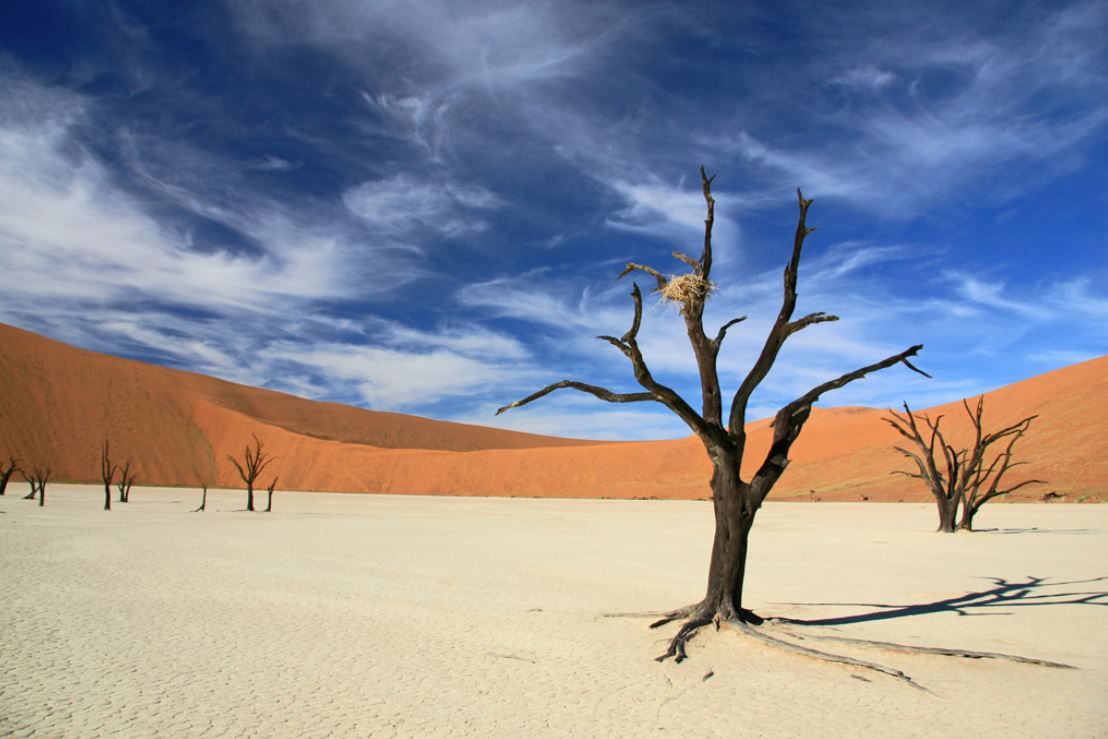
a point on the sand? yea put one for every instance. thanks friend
(420, 616)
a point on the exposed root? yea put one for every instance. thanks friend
(666, 616)
(698, 616)
(758, 634)
(674, 615)
(944, 651)
(677, 645)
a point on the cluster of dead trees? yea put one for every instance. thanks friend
(255, 460)
(36, 477)
(108, 471)
(961, 479)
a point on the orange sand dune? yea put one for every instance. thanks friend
(58, 403)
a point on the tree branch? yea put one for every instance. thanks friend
(632, 267)
(808, 320)
(718, 341)
(792, 417)
(709, 220)
(682, 256)
(736, 421)
(602, 393)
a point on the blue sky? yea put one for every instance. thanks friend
(423, 206)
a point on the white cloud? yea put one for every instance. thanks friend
(867, 78)
(403, 205)
(390, 379)
(991, 294)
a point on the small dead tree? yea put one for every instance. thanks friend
(943, 486)
(254, 461)
(33, 482)
(967, 479)
(126, 480)
(736, 500)
(203, 500)
(38, 480)
(6, 473)
(269, 500)
(107, 473)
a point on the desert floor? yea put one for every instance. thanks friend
(355, 615)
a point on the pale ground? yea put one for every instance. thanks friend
(390, 615)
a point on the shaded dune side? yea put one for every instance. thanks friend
(59, 402)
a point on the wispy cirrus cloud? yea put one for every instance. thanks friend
(424, 206)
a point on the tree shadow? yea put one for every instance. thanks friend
(1035, 530)
(1005, 594)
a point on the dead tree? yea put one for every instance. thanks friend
(6, 473)
(107, 472)
(30, 478)
(126, 480)
(944, 487)
(269, 500)
(968, 479)
(203, 500)
(254, 461)
(736, 499)
(38, 480)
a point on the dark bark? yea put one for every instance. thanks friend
(38, 479)
(6, 474)
(126, 480)
(107, 473)
(254, 461)
(736, 500)
(203, 500)
(34, 486)
(269, 499)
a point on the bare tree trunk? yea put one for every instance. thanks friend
(250, 495)
(269, 500)
(34, 489)
(727, 570)
(203, 501)
(948, 513)
(107, 472)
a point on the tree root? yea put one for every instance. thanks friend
(685, 612)
(687, 631)
(698, 616)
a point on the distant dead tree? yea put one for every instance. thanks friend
(269, 500)
(736, 500)
(30, 478)
(107, 473)
(960, 478)
(203, 500)
(126, 480)
(254, 461)
(6, 473)
(38, 480)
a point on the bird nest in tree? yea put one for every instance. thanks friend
(687, 289)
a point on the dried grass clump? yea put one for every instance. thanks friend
(687, 288)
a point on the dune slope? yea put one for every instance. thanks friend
(59, 403)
